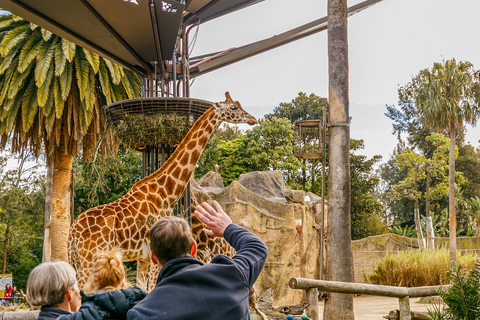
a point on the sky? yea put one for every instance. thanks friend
(388, 44)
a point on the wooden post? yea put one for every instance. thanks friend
(404, 308)
(311, 297)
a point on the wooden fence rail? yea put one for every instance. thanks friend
(403, 294)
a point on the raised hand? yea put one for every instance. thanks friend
(215, 219)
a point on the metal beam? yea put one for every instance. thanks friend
(206, 63)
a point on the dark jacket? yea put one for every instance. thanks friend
(51, 313)
(107, 305)
(188, 289)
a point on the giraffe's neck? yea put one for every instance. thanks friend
(175, 173)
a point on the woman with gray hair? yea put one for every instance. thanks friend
(53, 285)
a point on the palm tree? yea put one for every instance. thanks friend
(447, 97)
(51, 98)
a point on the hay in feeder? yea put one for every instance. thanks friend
(137, 131)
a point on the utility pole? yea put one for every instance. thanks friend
(338, 247)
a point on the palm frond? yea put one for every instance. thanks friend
(29, 52)
(93, 59)
(44, 61)
(13, 38)
(29, 105)
(68, 49)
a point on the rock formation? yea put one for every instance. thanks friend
(283, 219)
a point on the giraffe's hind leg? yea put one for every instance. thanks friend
(152, 276)
(142, 273)
(147, 274)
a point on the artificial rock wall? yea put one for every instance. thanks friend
(282, 218)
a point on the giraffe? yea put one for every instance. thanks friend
(125, 223)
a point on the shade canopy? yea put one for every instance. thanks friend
(133, 33)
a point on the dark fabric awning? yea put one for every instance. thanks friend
(133, 33)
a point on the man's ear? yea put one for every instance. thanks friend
(68, 295)
(194, 249)
(154, 259)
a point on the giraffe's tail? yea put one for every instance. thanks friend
(72, 248)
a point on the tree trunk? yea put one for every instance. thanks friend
(416, 214)
(451, 196)
(338, 306)
(47, 240)
(477, 232)
(5, 249)
(428, 217)
(61, 190)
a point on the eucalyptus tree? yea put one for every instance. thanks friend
(446, 98)
(51, 97)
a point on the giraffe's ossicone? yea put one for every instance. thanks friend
(125, 223)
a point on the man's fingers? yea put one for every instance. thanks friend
(203, 211)
(217, 206)
(208, 232)
(210, 209)
(201, 215)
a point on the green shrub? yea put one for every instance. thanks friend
(462, 298)
(417, 268)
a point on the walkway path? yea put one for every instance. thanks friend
(375, 308)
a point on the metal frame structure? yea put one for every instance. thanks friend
(151, 37)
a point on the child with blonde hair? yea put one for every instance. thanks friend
(108, 273)
(106, 294)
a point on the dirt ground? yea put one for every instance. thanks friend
(375, 308)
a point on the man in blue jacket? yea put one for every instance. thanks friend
(188, 289)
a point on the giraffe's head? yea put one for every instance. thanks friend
(231, 111)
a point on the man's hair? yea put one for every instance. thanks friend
(170, 238)
(48, 282)
(107, 272)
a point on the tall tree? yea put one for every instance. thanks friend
(304, 107)
(339, 247)
(51, 99)
(447, 97)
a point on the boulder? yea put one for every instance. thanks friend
(295, 196)
(268, 184)
(211, 179)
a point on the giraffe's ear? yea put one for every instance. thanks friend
(229, 99)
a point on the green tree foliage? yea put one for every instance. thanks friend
(366, 209)
(462, 297)
(409, 119)
(210, 154)
(105, 179)
(51, 98)
(304, 107)
(22, 205)
(270, 146)
(446, 98)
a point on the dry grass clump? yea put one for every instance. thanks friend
(417, 268)
(137, 131)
